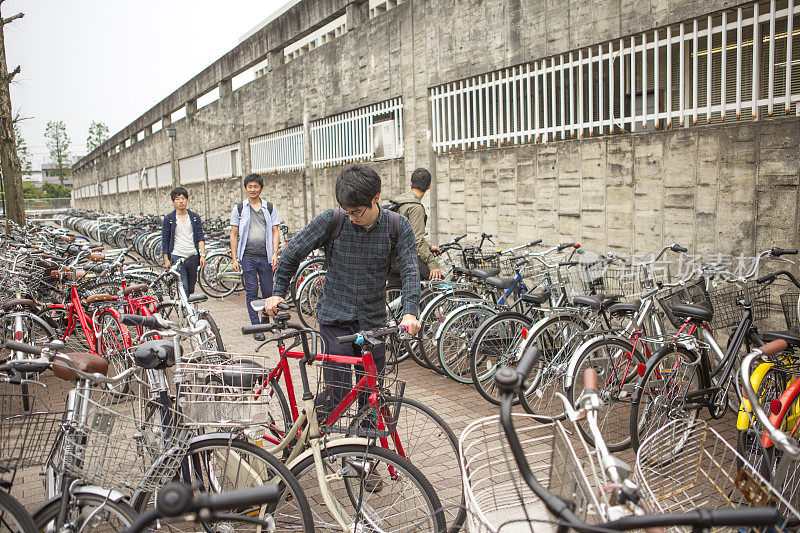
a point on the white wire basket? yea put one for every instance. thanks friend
(687, 465)
(497, 497)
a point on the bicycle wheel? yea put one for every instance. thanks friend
(431, 318)
(455, 336)
(557, 337)
(13, 516)
(206, 278)
(32, 330)
(114, 343)
(404, 501)
(659, 395)
(221, 464)
(209, 340)
(495, 345)
(307, 298)
(425, 439)
(616, 362)
(227, 280)
(86, 512)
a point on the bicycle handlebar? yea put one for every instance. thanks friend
(177, 499)
(371, 335)
(774, 275)
(743, 516)
(782, 440)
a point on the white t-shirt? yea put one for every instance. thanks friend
(184, 238)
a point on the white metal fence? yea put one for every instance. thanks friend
(193, 169)
(706, 69)
(224, 162)
(164, 175)
(348, 137)
(282, 151)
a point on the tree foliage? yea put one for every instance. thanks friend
(48, 190)
(98, 134)
(22, 150)
(58, 143)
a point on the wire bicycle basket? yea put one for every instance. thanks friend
(26, 436)
(727, 303)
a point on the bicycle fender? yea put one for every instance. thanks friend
(573, 361)
(743, 418)
(212, 436)
(636, 396)
(361, 441)
(110, 494)
(454, 311)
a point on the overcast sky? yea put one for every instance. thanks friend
(110, 60)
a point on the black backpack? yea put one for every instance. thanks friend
(395, 207)
(240, 206)
(335, 228)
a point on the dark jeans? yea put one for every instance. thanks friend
(188, 271)
(338, 377)
(256, 272)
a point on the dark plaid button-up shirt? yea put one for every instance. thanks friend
(355, 284)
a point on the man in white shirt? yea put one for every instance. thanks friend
(254, 243)
(182, 237)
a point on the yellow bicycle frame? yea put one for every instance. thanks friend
(745, 414)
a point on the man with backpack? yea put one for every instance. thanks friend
(361, 239)
(254, 243)
(409, 204)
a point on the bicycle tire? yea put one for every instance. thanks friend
(219, 345)
(13, 516)
(495, 345)
(556, 337)
(260, 467)
(431, 318)
(352, 455)
(114, 345)
(203, 279)
(36, 331)
(604, 356)
(429, 443)
(307, 298)
(455, 336)
(86, 505)
(680, 365)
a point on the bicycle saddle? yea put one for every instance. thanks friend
(86, 362)
(626, 308)
(538, 298)
(484, 273)
(158, 353)
(243, 373)
(100, 298)
(134, 289)
(792, 337)
(695, 312)
(500, 283)
(594, 301)
(22, 302)
(461, 270)
(194, 298)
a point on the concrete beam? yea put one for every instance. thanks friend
(357, 14)
(225, 87)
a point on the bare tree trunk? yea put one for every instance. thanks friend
(9, 162)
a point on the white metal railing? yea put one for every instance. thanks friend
(164, 175)
(282, 151)
(223, 162)
(348, 137)
(659, 78)
(192, 169)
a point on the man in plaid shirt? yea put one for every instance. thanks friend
(354, 294)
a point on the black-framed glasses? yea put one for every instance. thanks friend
(354, 214)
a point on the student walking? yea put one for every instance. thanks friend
(182, 237)
(254, 243)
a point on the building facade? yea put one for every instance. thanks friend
(622, 125)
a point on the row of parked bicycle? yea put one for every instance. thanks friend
(155, 398)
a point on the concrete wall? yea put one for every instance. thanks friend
(730, 189)
(631, 191)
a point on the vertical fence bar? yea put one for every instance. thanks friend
(682, 75)
(611, 86)
(475, 119)
(590, 60)
(562, 93)
(529, 116)
(669, 77)
(601, 69)
(571, 95)
(723, 94)
(656, 86)
(536, 98)
(709, 74)
(507, 121)
(621, 85)
(771, 83)
(739, 63)
(695, 62)
(545, 110)
(580, 93)
(553, 96)
(644, 80)
(482, 105)
(756, 54)
(633, 84)
(497, 105)
(789, 39)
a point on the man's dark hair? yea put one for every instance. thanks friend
(357, 185)
(256, 178)
(421, 179)
(178, 191)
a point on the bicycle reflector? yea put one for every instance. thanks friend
(640, 369)
(524, 333)
(775, 406)
(18, 335)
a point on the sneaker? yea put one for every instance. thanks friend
(259, 336)
(374, 481)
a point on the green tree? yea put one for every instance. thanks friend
(58, 143)
(22, 150)
(29, 190)
(50, 190)
(98, 134)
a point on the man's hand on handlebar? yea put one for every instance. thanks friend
(411, 324)
(271, 305)
(436, 273)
